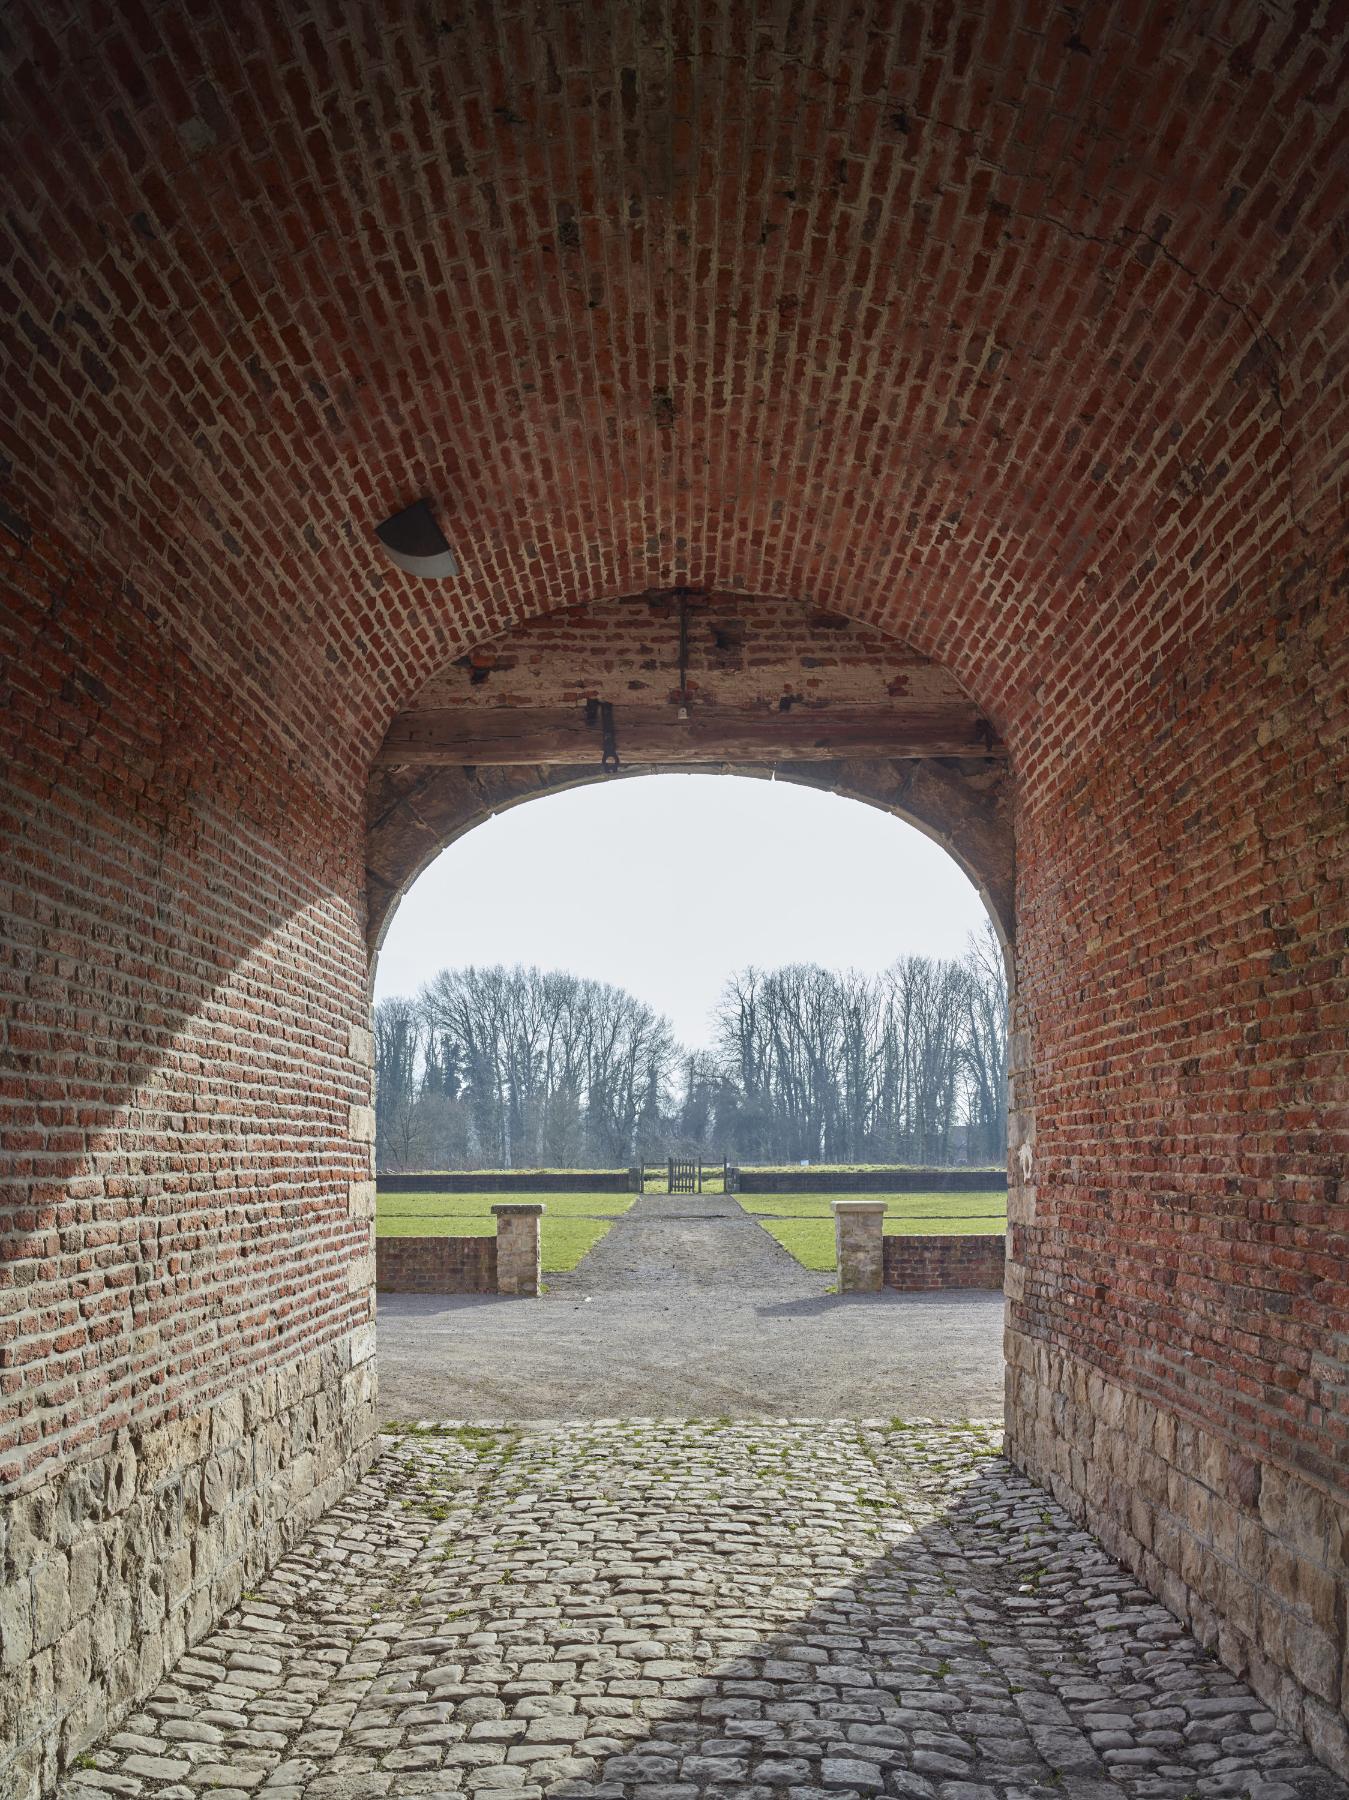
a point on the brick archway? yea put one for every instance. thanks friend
(740, 683)
(1016, 334)
(966, 808)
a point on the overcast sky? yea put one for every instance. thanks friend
(778, 874)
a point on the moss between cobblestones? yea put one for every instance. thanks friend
(650, 1606)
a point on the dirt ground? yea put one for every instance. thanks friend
(688, 1309)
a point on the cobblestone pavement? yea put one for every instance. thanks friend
(628, 1609)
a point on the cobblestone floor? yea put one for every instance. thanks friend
(638, 1608)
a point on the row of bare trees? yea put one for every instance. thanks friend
(519, 1068)
(907, 1066)
(526, 1068)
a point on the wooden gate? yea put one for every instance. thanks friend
(684, 1177)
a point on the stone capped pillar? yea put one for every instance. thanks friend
(518, 1261)
(858, 1227)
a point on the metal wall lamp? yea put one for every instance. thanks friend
(416, 543)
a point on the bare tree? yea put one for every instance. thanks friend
(984, 1049)
(398, 1057)
(846, 1067)
(520, 1067)
(555, 1069)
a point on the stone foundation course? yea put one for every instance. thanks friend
(115, 1568)
(1252, 1555)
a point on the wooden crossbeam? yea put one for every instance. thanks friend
(526, 735)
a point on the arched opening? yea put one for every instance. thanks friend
(934, 1354)
(677, 681)
(1015, 334)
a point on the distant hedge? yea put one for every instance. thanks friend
(871, 1181)
(510, 1181)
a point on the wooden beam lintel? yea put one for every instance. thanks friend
(528, 735)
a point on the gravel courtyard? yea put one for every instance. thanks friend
(689, 1308)
(654, 1611)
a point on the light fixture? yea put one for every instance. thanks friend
(416, 543)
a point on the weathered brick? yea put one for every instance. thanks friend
(847, 316)
(436, 1265)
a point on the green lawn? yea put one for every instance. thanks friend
(940, 1212)
(562, 1241)
(805, 1224)
(433, 1225)
(843, 1168)
(811, 1241)
(565, 1241)
(479, 1206)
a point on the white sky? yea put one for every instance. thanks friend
(779, 874)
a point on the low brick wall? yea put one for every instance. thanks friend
(510, 1181)
(920, 1264)
(869, 1181)
(436, 1265)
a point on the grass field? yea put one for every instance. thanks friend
(846, 1168)
(479, 1206)
(811, 1241)
(804, 1224)
(569, 1227)
(953, 1212)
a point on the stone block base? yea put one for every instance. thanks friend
(1251, 1556)
(519, 1260)
(113, 1568)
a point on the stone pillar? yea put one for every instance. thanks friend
(518, 1262)
(858, 1228)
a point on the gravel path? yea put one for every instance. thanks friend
(666, 1244)
(688, 1308)
(664, 1611)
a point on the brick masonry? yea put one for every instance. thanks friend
(744, 650)
(763, 651)
(917, 1264)
(436, 1265)
(1012, 337)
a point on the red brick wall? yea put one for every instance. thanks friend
(1023, 344)
(180, 921)
(436, 1265)
(740, 648)
(186, 1330)
(1182, 940)
(1179, 1282)
(916, 1264)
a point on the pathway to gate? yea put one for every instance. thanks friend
(688, 1308)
